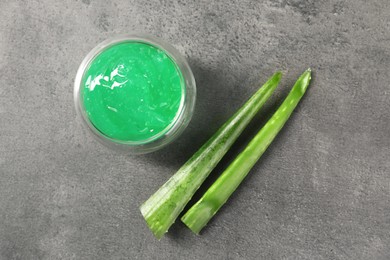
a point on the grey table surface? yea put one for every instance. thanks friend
(321, 191)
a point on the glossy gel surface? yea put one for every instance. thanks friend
(132, 91)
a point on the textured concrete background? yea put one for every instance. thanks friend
(322, 190)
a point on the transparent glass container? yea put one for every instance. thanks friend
(183, 115)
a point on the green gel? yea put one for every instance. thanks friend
(132, 91)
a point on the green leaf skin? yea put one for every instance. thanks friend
(200, 214)
(163, 207)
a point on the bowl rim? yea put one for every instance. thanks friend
(182, 117)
